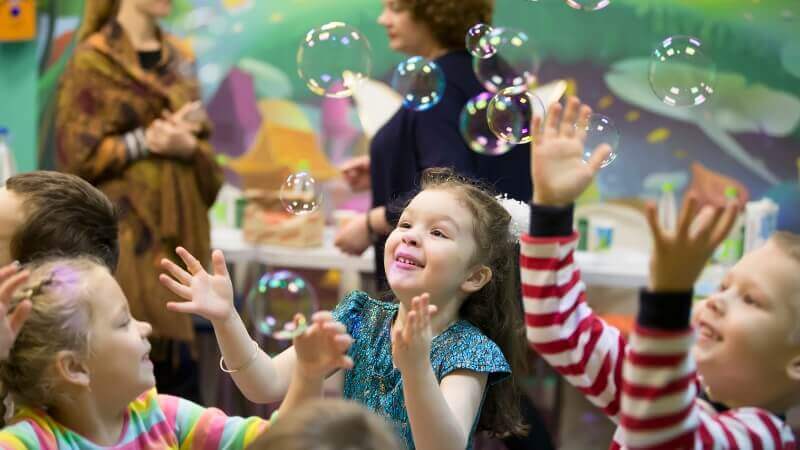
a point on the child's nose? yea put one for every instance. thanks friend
(410, 238)
(145, 329)
(716, 303)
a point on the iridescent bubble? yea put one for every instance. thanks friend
(301, 194)
(275, 300)
(333, 59)
(600, 130)
(510, 112)
(514, 63)
(475, 130)
(475, 46)
(680, 72)
(588, 5)
(419, 82)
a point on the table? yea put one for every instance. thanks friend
(618, 268)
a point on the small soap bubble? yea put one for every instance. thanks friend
(515, 61)
(600, 130)
(301, 194)
(419, 82)
(510, 113)
(475, 46)
(333, 59)
(681, 74)
(475, 130)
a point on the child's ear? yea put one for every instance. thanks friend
(477, 279)
(793, 369)
(72, 369)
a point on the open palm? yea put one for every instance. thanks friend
(558, 170)
(209, 295)
(322, 348)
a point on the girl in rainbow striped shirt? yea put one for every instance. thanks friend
(80, 371)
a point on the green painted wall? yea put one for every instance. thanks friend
(18, 105)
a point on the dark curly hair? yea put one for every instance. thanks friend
(449, 20)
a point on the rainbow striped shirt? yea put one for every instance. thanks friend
(153, 422)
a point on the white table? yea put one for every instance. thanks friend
(620, 268)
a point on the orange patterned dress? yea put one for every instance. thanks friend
(104, 97)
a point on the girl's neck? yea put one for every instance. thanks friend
(96, 421)
(446, 315)
(141, 29)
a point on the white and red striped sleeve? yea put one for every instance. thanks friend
(561, 327)
(661, 408)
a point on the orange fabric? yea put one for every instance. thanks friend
(163, 202)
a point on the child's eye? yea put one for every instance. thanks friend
(438, 233)
(750, 301)
(403, 225)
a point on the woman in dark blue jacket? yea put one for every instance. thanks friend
(412, 141)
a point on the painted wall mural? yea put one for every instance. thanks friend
(267, 122)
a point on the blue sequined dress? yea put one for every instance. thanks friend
(375, 382)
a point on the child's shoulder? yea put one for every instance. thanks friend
(464, 346)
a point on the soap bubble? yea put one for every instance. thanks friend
(333, 59)
(276, 299)
(680, 72)
(475, 46)
(475, 130)
(588, 5)
(514, 63)
(420, 82)
(599, 130)
(301, 194)
(510, 112)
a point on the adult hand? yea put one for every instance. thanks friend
(10, 324)
(558, 170)
(167, 139)
(189, 117)
(356, 173)
(353, 237)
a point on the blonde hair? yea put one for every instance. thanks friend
(96, 13)
(59, 320)
(789, 243)
(329, 424)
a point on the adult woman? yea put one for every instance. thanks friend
(129, 122)
(412, 140)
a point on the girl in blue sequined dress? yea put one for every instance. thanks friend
(437, 362)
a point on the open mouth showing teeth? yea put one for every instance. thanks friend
(708, 332)
(403, 260)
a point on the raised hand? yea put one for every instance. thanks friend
(322, 348)
(190, 117)
(10, 279)
(169, 139)
(679, 256)
(209, 295)
(411, 342)
(558, 170)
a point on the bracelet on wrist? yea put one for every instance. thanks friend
(243, 366)
(373, 236)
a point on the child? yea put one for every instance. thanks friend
(451, 252)
(329, 424)
(747, 349)
(11, 321)
(80, 371)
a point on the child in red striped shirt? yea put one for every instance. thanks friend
(747, 345)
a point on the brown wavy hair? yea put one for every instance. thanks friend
(329, 424)
(497, 307)
(449, 20)
(96, 13)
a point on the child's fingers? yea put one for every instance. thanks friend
(322, 316)
(567, 127)
(176, 271)
(600, 154)
(192, 264)
(652, 219)
(432, 310)
(333, 327)
(345, 362)
(176, 288)
(552, 120)
(8, 270)
(11, 284)
(218, 261)
(342, 342)
(583, 122)
(703, 223)
(686, 217)
(410, 327)
(724, 224)
(536, 129)
(18, 317)
(183, 308)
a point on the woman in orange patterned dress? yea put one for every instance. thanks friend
(129, 121)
